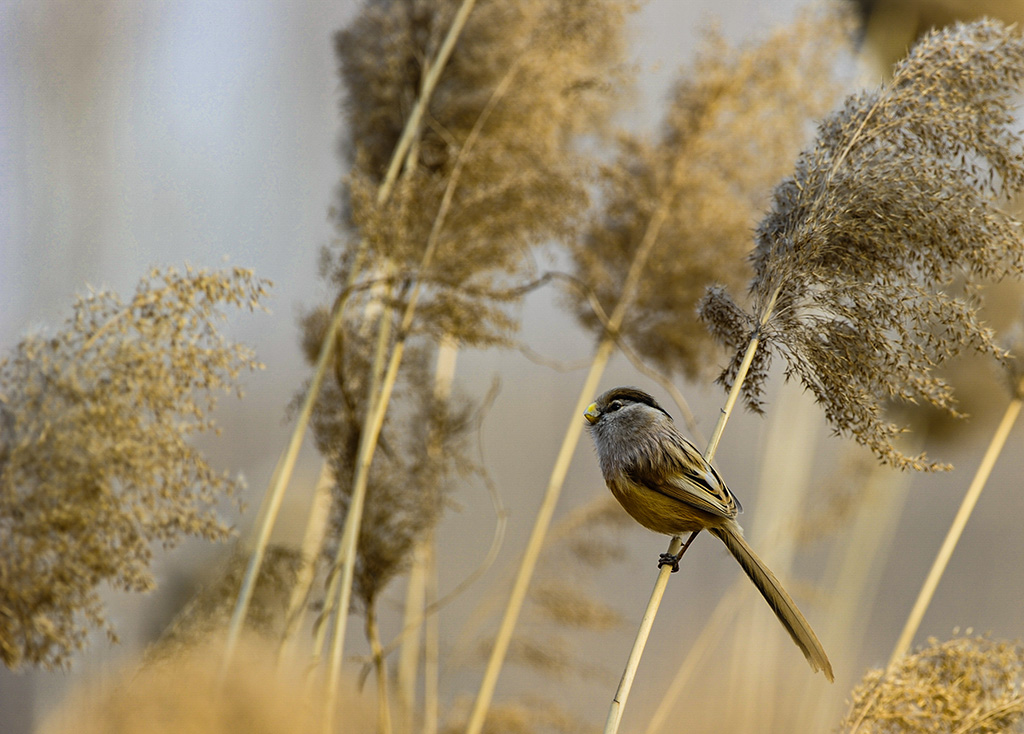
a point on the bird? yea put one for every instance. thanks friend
(666, 485)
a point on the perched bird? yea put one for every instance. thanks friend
(666, 485)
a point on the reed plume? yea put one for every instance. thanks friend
(860, 266)
(95, 462)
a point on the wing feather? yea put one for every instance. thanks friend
(692, 479)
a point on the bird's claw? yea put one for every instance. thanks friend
(669, 559)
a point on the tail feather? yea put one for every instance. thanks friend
(780, 601)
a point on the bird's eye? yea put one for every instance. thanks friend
(613, 406)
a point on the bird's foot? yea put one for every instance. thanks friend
(669, 559)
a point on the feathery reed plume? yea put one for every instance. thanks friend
(410, 477)
(964, 685)
(856, 266)
(522, 182)
(734, 124)
(95, 463)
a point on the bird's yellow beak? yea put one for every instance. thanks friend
(591, 413)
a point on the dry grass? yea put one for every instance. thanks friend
(96, 466)
(967, 685)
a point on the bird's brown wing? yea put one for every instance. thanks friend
(693, 481)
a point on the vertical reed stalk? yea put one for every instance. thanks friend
(275, 493)
(721, 619)
(431, 649)
(373, 636)
(312, 541)
(409, 655)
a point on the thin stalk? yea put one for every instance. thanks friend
(343, 569)
(430, 81)
(373, 636)
(646, 623)
(499, 649)
(431, 650)
(741, 376)
(721, 619)
(409, 656)
(408, 659)
(931, 583)
(312, 539)
(676, 544)
(561, 468)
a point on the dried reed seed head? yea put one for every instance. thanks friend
(734, 124)
(95, 462)
(963, 685)
(524, 81)
(856, 265)
(414, 469)
(533, 76)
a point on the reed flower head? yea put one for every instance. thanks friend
(735, 122)
(413, 472)
(95, 461)
(967, 684)
(501, 139)
(184, 693)
(860, 266)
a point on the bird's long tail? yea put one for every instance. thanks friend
(780, 601)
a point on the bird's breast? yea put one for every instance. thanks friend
(659, 512)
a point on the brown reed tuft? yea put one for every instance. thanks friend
(860, 267)
(735, 121)
(532, 79)
(95, 461)
(208, 612)
(967, 685)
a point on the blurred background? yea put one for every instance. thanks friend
(134, 134)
